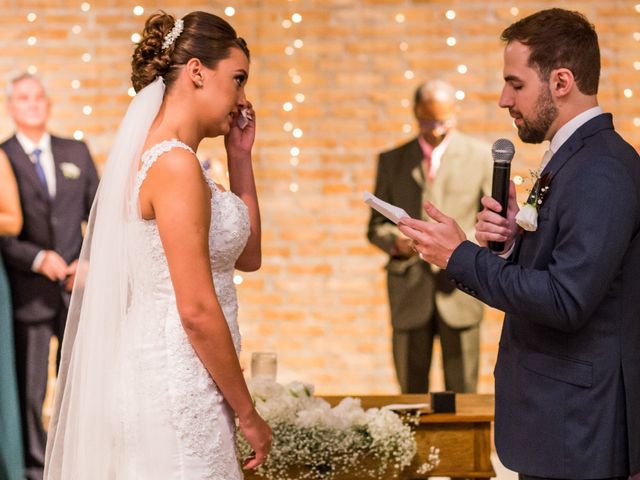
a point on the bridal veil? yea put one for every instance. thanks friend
(80, 442)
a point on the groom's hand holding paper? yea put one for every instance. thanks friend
(392, 212)
(434, 240)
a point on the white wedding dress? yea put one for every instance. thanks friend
(175, 424)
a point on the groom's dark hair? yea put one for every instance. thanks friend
(560, 38)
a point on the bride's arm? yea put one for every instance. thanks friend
(10, 213)
(238, 143)
(180, 199)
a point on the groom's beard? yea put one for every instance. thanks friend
(535, 130)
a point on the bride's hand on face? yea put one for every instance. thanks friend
(239, 141)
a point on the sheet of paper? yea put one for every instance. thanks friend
(392, 212)
(399, 407)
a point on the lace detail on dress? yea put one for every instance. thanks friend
(202, 420)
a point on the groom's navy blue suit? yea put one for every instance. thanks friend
(568, 369)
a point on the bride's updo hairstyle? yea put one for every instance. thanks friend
(205, 36)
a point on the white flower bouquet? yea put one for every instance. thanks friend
(312, 440)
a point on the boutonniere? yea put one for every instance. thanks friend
(527, 217)
(70, 170)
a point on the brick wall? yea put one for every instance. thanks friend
(319, 300)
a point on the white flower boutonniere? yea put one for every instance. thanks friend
(527, 217)
(70, 170)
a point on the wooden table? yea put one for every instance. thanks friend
(464, 437)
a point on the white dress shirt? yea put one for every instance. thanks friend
(46, 157)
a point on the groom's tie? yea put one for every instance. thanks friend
(545, 159)
(40, 171)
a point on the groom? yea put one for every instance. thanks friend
(567, 376)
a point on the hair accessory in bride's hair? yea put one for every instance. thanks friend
(173, 34)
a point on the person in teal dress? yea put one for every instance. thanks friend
(11, 456)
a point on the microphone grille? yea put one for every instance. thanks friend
(502, 150)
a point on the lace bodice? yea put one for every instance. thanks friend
(195, 403)
(228, 235)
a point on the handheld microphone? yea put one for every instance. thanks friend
(502, 152)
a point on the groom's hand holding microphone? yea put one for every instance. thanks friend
(496, 227)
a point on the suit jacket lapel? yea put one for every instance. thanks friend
(23, 163)
(575, 142)
(415, 156)
(58, 158)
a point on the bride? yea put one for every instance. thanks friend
(150, 381)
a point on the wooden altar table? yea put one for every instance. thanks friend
(464, 437)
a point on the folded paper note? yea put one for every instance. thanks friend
(406, 406)
(392, 212)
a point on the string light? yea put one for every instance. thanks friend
(237, 278)
(628, 92)
(299, 97)
(131, 92)
(400, 18)
(78, 134)
(86, 57)
(406, 128)
(294, 161)
(136, 37)
(297, 132)
(298, 43)
(76, 29)
(294, 152)
(287, 106)
(296, 18)
(32, 41)
(85, 7)
(287, 127)
(286, 23)
(451, 14)
(636, 36)
(636, 65)
(518, 180)
(636, 122)
(138, 10)
(87, 110)
(229, 11)
(75, 84)
(289, 50)
(462, 69)
(404, 46)
(408, 74)
(405, 102)
(31, 17)
(460, 95)
(32, 69)
(294, 187)
(515, 11)
(451, 41)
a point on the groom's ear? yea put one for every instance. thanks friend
(561, 82)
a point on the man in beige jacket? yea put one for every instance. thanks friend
(453, 171)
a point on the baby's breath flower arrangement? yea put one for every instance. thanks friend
(312, 440)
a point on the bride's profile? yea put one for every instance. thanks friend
(150, 383)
